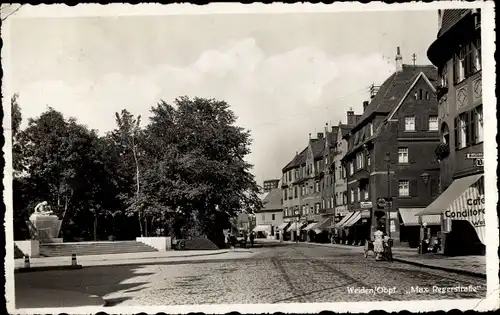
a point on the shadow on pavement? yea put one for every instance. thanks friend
(87, 281)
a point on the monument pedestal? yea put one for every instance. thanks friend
(46, 227)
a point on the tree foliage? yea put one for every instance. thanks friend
(183, 174)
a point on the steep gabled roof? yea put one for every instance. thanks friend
(451, 17)
(393, 89)
(297, 160)
(272, 201)
(317, 146)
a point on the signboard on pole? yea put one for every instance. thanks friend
(479, 162)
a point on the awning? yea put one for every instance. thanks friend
(282, 226)
(353, 219)
(310, 226)
(408, 215)
(443, 202)
(261, 228)
(295, 226)
(344, 220)
(323, 225)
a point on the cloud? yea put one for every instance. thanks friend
(281, 97)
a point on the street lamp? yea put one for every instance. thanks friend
(297, 213)
(387, 159)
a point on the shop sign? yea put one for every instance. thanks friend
(474, 155)
(479, 162)
(365, 204)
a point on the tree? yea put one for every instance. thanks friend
(17, 147)
(127, 136)
(199, 168)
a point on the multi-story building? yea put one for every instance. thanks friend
(301, 186)
(457, 54)
(271, 215)
(271, 184)
(339, 171)
(391, 170)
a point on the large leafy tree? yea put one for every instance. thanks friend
(198, 170)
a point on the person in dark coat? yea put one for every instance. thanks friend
(252, 238)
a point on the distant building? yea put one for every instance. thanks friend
(271, 184)
(271, 215)
(390, 157)
(457, 54)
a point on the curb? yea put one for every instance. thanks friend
(47, 268)
(458, 271)
(131, 261)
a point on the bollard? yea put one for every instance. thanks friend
(27, 261)
(73, 259)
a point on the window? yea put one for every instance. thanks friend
(285, 194)
(402, 155)
(366, 193)
(371, 129)
(444, 76)
(295, 191)
(477, 53)
(433, 123)
(273, 217)
(285, 211)
(344, 198)
(368, 161)
(263, 217)
(351, 168)
(344, 172)
(462, 131)
(332, 202)
(478, 123)
(420, 94)
(410, 123)
(445, 134)
(427, 96)
(316, 187)
(416, 95)
(323, 204)
(360, 160)
(304, 210)
(404, 188)
(317, 207)
(459, 66)
(352, 195)
(303, 188)
(359, 194)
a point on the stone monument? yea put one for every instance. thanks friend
(44, 224)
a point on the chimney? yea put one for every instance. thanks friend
(350, 117)
(320, 135)
(309, 136)
(326, 128)
(399, 61)
(365, 105)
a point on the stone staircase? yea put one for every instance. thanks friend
(93, 248)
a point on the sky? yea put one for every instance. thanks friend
(284, 75)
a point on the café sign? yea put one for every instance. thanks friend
(474, 155)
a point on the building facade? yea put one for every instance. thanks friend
(456, 53)
(270, 184)
(391, 170)
(271, 215)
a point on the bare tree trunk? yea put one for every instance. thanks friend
(66, 204)
(95, 227)
(137, 186)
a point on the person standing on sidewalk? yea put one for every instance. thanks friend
(281, 236)
(378, 244)
(252, 238)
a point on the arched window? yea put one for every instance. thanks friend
(445, 134)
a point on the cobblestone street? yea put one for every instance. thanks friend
(277, 273)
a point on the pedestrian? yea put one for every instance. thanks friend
(378, 243)
(281, 235)
(252, 238)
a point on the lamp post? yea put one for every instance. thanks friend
(297, 213)
(387, 159)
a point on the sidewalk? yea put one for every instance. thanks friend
(470, 265)
(134, 258)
